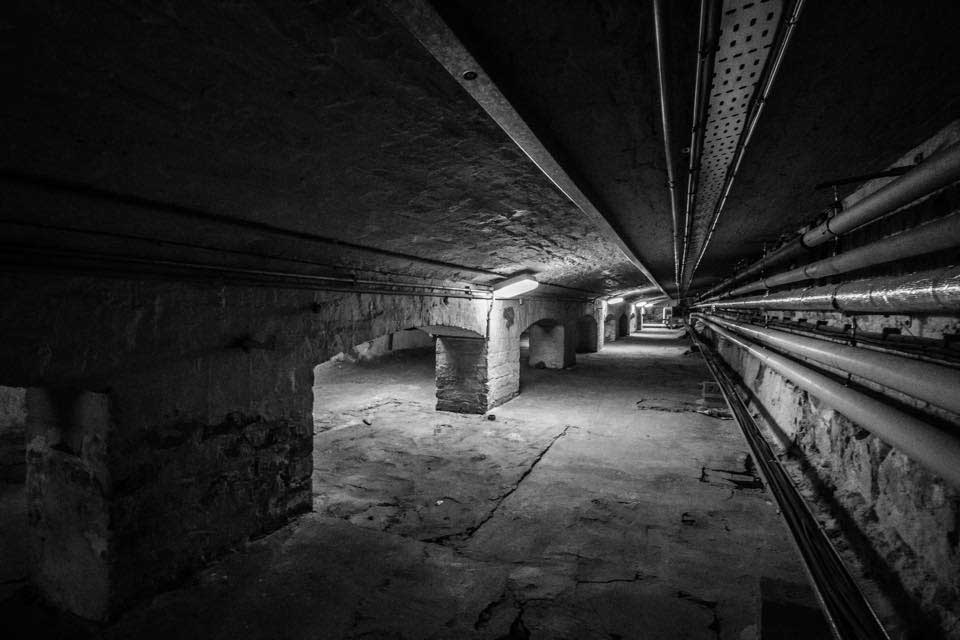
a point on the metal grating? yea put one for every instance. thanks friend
(747, 31)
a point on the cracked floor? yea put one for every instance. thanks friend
(575, 513)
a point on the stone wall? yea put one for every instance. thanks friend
(209, 390)
(902, 521)
(13, 424)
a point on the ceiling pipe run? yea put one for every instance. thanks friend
(933, 448)
(938, 171)
(930, 237)
(761, 101)
(933, 291)
(705, 51)
(931, 383)
(667, 137)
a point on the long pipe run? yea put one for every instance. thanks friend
(937, 235)
(928, 382)
(933, 291)
(761, 101)
(935, 449)
(667, 139)
(704, 56)
(938, 171)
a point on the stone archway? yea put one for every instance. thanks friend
(587, 334)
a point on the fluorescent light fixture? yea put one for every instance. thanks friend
(614, 300)
(514, 286)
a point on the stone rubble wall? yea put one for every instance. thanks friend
(209, 391)
(13, 425)
(906, 519)
(205, 430)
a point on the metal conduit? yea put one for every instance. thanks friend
(938, 171)
(665, 122)
(934, 291)
(748, 132)
(704, 54)
(937, 450)
(848, 612)
(927, 238)
(929, 382)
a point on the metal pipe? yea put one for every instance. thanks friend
(261, 228)
(667, 138)
(937, 235)
(847, 611)
(81, 261)
(933, 291)
(704, 52)
(748, 133)
(933, 448)
(938, 171)
(928, 382)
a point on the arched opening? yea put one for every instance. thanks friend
(586, 334)
(543, 346)
(609, 328)
(623, 325)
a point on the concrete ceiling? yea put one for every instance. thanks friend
(323, 138)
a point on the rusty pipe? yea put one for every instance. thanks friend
(935, 449)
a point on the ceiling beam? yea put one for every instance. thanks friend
(426, 25)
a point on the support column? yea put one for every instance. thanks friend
(461, 369)
(68, 493)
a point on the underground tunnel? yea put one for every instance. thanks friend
(503, 320)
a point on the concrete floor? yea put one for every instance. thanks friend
(598, 504)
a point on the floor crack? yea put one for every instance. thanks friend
(469, 532)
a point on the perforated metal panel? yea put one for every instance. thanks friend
(747, 31)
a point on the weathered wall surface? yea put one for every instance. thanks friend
(210, 396)
(72, 555)
(13, 424)
(903, 521)
(510, 318)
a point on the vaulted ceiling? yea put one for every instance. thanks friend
(329, 138)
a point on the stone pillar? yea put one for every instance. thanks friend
(461, 368)
(68, 493)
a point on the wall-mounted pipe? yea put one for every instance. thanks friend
(937, 235)
(933, 448)
(667, 138)
(938, 171)
(928, 382)
(933, 291)
(761, 101)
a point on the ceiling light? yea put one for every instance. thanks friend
(514, 286)
(614, 300)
